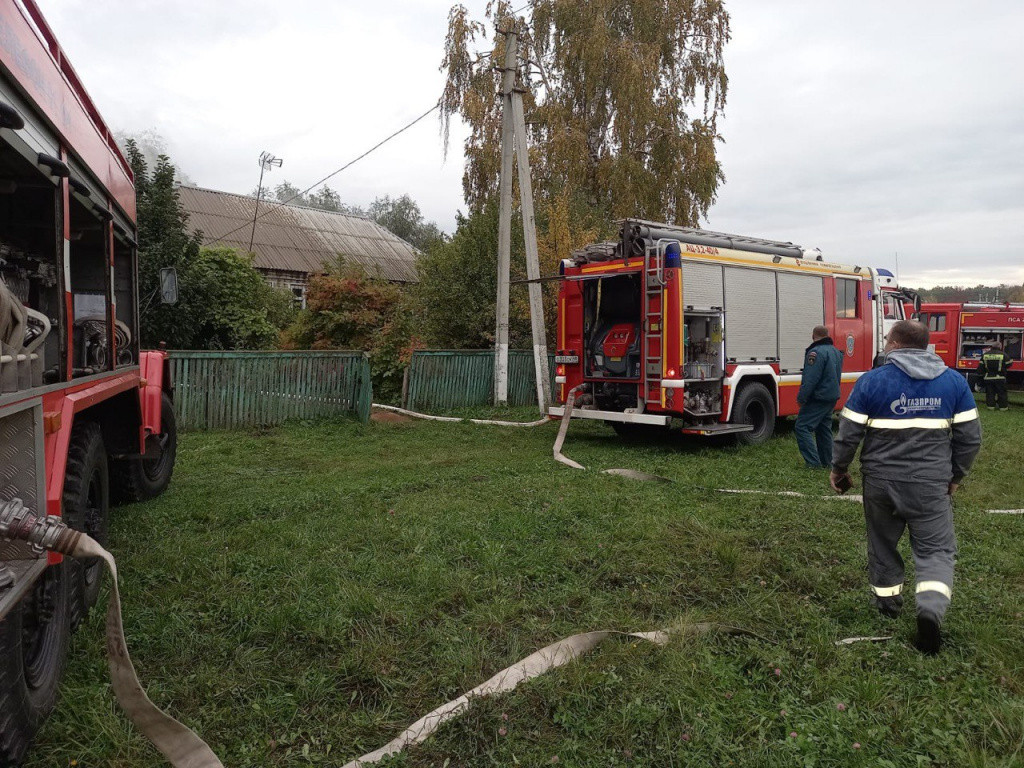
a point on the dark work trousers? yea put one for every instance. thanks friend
(995, 390)
(814, 432)
(926, 509)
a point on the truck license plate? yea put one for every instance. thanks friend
(566, 359)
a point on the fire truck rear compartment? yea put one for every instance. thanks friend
(702, 364)
(29, 272)
(90, 283)
(612, 340)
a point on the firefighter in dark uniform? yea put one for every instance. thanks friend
(993, 365)
(819, 392)
(919, 425)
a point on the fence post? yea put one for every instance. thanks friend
(365, 391)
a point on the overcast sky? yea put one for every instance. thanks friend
(866, 129)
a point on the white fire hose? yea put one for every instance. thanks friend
(180, 744)
(455, 419)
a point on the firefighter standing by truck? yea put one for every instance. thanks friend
(819, 392)
(919, 424)
(993, 366)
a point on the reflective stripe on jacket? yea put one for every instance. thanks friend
(913, 429)
(995, 363)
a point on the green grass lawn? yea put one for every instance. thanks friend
(301, 595)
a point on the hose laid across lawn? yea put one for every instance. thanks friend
(180, 744)
(454, 419)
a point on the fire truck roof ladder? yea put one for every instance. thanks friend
(640, 234)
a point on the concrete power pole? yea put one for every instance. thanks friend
(513, 133)
(540, 341)
(505, 220)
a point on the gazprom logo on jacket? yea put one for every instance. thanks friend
(906, 405)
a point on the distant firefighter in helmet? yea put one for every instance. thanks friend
(993, 366)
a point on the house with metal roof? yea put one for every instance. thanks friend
(292, 242)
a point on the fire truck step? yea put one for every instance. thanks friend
(717, 429)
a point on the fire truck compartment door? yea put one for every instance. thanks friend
(801, 308)
(751, 315)
(627, 418)
(702, 285)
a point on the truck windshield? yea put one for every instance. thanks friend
(892, 306)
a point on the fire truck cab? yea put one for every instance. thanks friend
(960, 334)
(672, 326)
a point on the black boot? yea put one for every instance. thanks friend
(890, 607)
(929, 636)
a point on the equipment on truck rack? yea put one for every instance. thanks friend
(705, 330)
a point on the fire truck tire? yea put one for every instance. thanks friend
(142, 479)
(86, 508)
(754, 405)
(34, 639)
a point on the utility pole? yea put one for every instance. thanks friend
(267, 162)
(508, 83)
(513, 138)
(540, 341)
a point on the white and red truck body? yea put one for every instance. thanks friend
(671, 323)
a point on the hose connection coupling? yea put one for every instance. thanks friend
(43, 533)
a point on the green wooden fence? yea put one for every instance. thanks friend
(227, 390)
(444, 379)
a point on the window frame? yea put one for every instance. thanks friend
(843, 308)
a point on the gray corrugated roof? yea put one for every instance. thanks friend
(297, 239)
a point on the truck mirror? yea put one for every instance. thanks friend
(168, 285)
(917, 303)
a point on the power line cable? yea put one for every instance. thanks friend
(330, 176)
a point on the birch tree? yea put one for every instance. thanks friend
(623, 99)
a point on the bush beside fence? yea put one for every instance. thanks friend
(229, 390)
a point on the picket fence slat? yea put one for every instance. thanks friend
(241, 389)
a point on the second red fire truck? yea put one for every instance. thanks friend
(672, 325)
(961, 333)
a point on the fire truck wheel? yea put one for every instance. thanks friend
(86, 508)
(754, 405)
(142, 479)
(34, 640)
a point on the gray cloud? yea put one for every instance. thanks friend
(865, 128)
(874, 128)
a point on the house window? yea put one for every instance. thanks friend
(846, 298)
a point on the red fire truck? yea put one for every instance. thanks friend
(961, 333)
(671, 323)
(84, 414)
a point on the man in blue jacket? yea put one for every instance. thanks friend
(819, 392)
(920, 429)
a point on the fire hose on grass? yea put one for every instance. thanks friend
(184, 749)
(180, 744)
